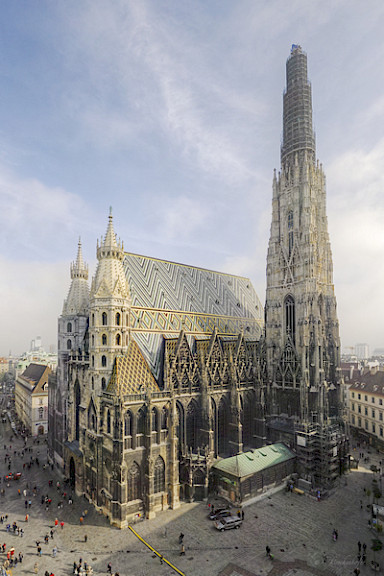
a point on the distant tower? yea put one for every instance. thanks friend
(72, 328)
(301, 325)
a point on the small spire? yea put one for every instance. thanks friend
(78, 268)
(109, 247)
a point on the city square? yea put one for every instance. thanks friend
(297, 528)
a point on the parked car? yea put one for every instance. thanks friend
(214, 515)
(228, 522)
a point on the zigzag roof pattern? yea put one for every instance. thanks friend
(131, 374)
(168, 297)
(160, 284)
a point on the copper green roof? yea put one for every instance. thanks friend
(249, 463)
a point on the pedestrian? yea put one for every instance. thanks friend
(81, 520)
(56, 521)
(268, 551)
(359, 545)
(62, 524)
(85, 538)
(54, 552)
(27, 517)
(364, 548)
(181, 538)
(21, 557)
(364, 559)
(182, 550)
(39, 551)
(109, 568)
(242, 514)
(36, 567)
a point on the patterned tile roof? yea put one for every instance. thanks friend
(168, 297)
(254, 461)
(131, 374)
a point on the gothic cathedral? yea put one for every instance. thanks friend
(165, 368)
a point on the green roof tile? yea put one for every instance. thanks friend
(248, 463)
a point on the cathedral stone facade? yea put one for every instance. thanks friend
(164, 368)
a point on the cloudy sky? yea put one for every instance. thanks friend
(171, 113)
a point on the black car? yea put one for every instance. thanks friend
(219, 513)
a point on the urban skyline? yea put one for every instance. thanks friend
(170, 114)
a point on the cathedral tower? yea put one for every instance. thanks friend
(301, 325)
(109, 310)
(72, 342)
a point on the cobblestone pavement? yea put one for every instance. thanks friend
(298, 530)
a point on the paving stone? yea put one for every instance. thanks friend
(297, 528)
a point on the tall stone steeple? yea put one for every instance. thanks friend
(77, 301)
(301, 325)
(109, 309)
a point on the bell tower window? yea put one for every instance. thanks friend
(290, 322)
(290, 232)
(104, 319)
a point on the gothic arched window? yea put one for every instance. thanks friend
(290, 322)
(154, 420)
(77, 410)
(128, 424)
(69, 327)
(117, 318)
(104, 339)
(290, 232)
(118, 339)
(134, 483)
(69, 344)
(159, 475)
(141, 421)
(108, 422)
(192, 425)
(103, 361)
(104, 318)
(164, 415)
(103, 383)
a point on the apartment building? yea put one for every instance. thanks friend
(366, 408)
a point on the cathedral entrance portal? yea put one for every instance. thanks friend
(72, 473)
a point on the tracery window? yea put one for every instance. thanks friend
(128, 424)
(290, 232)
(290, 317)
(154, 420)
(134, 483)
(141, 421)
(159, 475)
(164, 418)
(104, 318)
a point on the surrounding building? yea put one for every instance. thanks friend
(165, 368)
(362, 351)
(31, 399)
(245, 475)
(366, 407)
